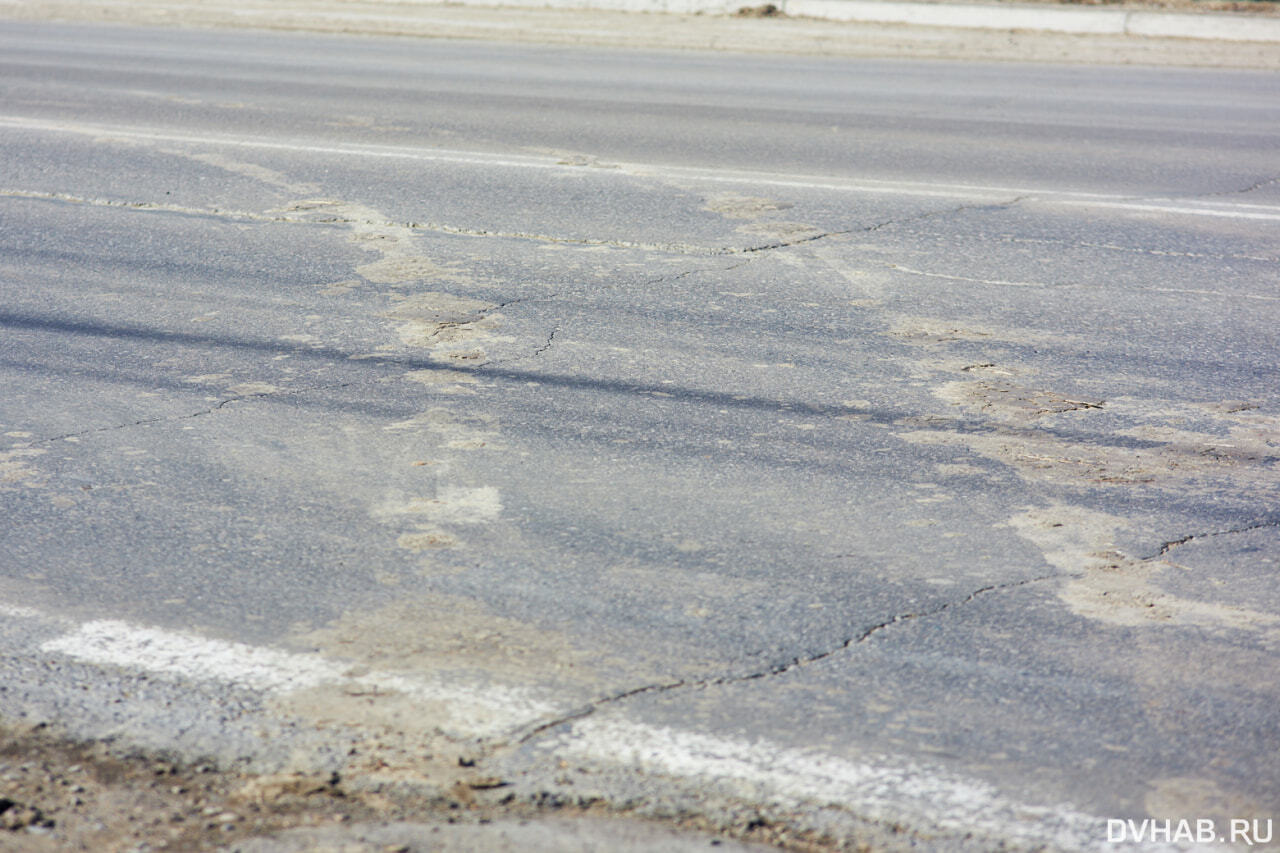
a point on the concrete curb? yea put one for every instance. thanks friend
(985, 16)
(1050, 19)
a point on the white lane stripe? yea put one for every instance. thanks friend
(1238, 212)
(973, 192)
(21, 612)
(112, 642)
(440, 155)
(473, 710)
(890, 792)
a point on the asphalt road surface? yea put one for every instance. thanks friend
(884, 451)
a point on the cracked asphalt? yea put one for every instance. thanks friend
(826, 453)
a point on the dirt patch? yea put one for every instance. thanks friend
(58, 795)
(1175, 797)
(1116, 588)
(456, 432)
(1051, 437)
(442, 632)
(768, 10)
(1009, 402)
(1081, 442)
(401, 261)
(737, 206)
(16, 468)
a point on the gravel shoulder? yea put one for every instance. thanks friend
(767, 35)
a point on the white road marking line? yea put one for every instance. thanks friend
(1233, 212)
(21, 612)
(474, 710)
(999, 282)
(992, 281)
(973, 192)
(888, 790)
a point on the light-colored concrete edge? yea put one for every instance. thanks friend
(1246, 28)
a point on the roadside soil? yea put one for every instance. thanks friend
(56, 795)
(773, 34)
(59, 795)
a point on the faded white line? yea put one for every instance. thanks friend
(474, 710)
(249, 216)
(889, 791)
(21, 612)
(999, 282)
(972, 192)
(992, 281)
(1241, 211)
(879, 789)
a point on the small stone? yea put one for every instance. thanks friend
(486, 782)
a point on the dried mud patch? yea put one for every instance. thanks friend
(737, 206)
(934, 333)
(57, 794)
(440, 633)
(456, 432)
(786, 232)
(1008, 402)
(1109, 586)
(1050, 437)
(400, 257)
(1070, 441)
(1175, 797)
(16, 468)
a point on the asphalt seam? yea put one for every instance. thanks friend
(868, 229)
(413, 225)
(285, 392)
(546, 346)
(533, 730)
(1175, 543)
(1257, 185)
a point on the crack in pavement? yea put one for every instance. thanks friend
(435, 227)
(442, 228)
(1257, 185)
(867, 229)
(550, 339)
(526, 733)
(199, 414)
(1114, 247)
(1174, 543)
(663, 279)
